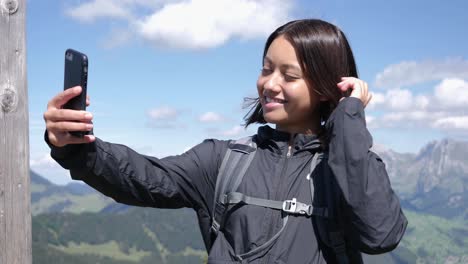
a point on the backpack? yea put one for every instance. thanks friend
(235, 163)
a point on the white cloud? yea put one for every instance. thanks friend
(44, 160)
(164, 117)
(199, 24)
(399, 99)
(45, 166)
(163, 113)
(422, 101)
(409, 73)
(190, 24)
(166, 124)
(210, 117)
(407, 119)
(443, 109)
(369, 119)
(90, 11)
(421, 116)
(377, 99)
(233, 132)
(448, 95)
(454, 122)
(452, 93)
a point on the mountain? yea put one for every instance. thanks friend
(433, 181)
(47, 197)
(396, 165)
(442, 187)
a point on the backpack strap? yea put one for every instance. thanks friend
(237, 159)
(288, 206)
(335, 233)
(235, 163)
(338, 243)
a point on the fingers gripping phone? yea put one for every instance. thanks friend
(76, 74)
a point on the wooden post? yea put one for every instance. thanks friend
(15, 212)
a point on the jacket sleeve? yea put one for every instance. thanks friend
(373, 216)
(185, 180)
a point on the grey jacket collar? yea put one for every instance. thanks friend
(279, 140)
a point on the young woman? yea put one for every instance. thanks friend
(308, 88)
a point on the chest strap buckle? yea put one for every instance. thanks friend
(295, 207)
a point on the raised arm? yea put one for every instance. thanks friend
(375, 220)
(117, 171)
(128, 177)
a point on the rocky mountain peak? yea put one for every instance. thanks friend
(443, 163)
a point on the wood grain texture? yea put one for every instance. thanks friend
(15, 216)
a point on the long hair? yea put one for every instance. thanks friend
(324, 55)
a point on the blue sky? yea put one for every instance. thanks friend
(164, 75)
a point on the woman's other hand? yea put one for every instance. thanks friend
(359, 88)
(60, 121)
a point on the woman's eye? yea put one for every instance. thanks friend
(290, 78)
(266, 71)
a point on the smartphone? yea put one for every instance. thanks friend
(76, 74)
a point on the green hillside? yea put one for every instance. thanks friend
(429, 239)
(139, 236)
(47, 197)
(432, 239)
(172, 236)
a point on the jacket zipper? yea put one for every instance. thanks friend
(283, 172)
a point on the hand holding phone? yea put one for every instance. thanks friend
(76, 74)
(59, 121)
(65, 118)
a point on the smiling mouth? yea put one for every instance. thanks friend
(274, 100)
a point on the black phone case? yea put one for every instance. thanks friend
(76, 74)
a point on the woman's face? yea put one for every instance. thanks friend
(284, 94)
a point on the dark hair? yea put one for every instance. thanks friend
(324, 55)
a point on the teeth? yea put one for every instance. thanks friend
(270, 100)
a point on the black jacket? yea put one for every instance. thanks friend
(368, 207)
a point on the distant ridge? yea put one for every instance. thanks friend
(435, 180)
(47, 197)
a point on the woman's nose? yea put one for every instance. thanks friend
(273, 82)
